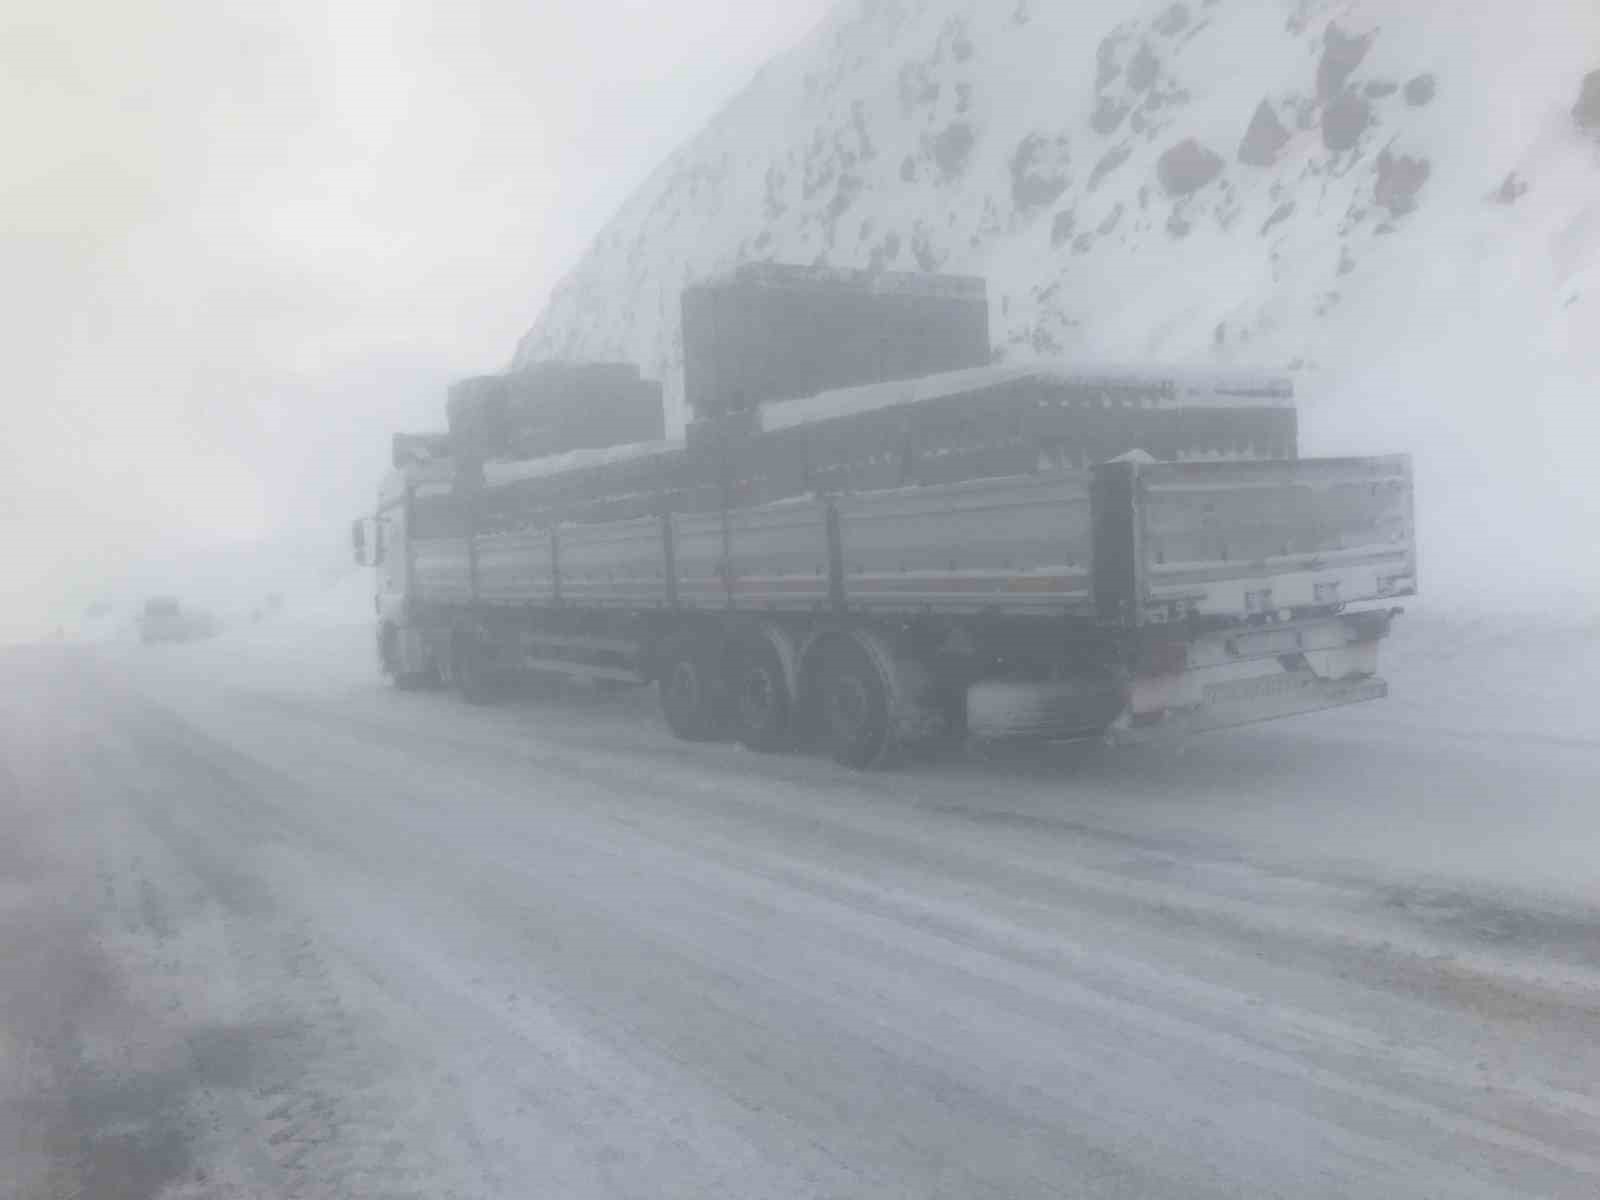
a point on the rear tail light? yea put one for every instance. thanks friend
(1164, 658)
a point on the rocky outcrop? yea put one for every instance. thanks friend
(1345, 120)
(1421, 90)
(1188, 167)
(1265, 138)
(1342, 53)
(1093, 161)
(1400, 178)
(1586, 112)
(1040, 171)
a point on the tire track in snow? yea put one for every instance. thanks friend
(921, 930)
(322, 1116)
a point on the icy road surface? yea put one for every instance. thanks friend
(268, 929)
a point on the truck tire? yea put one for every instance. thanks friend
(472, 670)
(854, 702)
(761, 708)
(391, 661)
(692, 695)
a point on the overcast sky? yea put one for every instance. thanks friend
(241, 242)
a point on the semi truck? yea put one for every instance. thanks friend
(996, 552)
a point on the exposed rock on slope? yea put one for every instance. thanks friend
(1265, 139)
(1283, 182)
(1587, 111)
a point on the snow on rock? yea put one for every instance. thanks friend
(1326, 212)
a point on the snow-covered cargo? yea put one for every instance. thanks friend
(984, 423)
(770, 332)
(553, 408)
(999, 421)
(411, 449)
(591, 487)
(1082, 384)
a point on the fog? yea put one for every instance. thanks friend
(240, 243)
(242, 246)
(1004, 747)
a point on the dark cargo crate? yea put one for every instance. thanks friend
(771, 333)
(552, 408)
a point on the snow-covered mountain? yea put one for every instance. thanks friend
(1398, 198)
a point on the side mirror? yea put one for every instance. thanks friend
(358, 543)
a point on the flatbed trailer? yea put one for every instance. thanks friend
(990, 554)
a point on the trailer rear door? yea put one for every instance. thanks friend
(1236, 540)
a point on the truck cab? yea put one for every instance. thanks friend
(164, 619)
(383, 542)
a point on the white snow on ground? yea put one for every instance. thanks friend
(1509, 686)
(383, 944)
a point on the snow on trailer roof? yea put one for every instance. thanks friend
(433, 472)
(1173, 387)
(498, 474)
(792, 277)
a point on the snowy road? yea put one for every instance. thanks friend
(267, 929)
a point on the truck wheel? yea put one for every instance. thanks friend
(472, 670)
(855, 706)
(762, 707)
(391, 660)
(692, 698)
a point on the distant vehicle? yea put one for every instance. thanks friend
(165, 620)
(879, 539)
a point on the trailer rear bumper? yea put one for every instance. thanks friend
(1244, 676)
(1251, 701)
(1178, 681)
